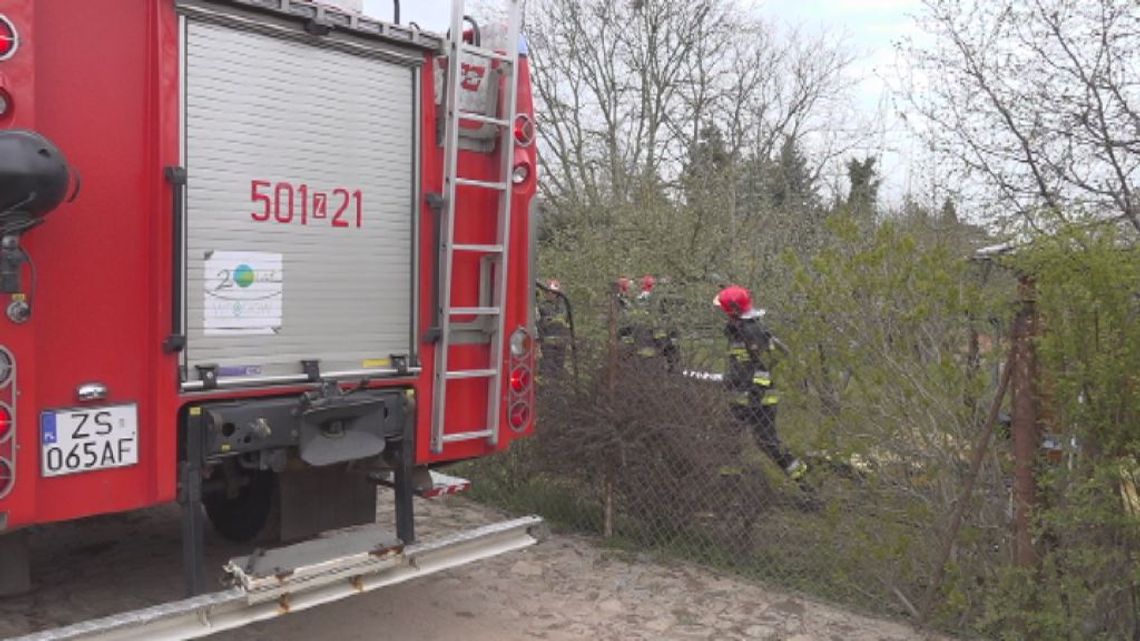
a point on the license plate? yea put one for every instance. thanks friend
(86, 439)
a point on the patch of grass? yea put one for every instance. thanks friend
(561, 504)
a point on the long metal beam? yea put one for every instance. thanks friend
(332, 581)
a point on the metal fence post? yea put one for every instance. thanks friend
(611, 398)
(1026, 439)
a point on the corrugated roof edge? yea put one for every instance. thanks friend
(350, 21)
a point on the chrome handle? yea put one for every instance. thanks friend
(91, 392)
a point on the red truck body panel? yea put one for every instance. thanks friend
(101, 80)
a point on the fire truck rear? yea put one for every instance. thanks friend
(258, 256)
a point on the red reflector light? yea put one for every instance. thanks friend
(9, 39)
(5, 104)
(520, 380)
(524, 130)
(7, 367)
(7, 421)
(7, 477)
(520, 416)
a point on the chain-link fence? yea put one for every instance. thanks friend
(917, 471)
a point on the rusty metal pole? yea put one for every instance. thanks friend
(1026, 439)
(611, 400)
(963, 501)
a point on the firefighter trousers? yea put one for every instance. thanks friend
(552, 360)
(761, 421)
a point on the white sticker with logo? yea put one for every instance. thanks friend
(244, 292)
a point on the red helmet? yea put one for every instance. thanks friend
(623, 284)
(648, 283)
(734, 300)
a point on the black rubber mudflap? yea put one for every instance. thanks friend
(316, 499)
(15, 564)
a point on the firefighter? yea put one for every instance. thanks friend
(553, 332)
(641, 339)
(749, 376)
(622, 286)
(666, 340)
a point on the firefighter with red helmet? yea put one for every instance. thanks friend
(749, 375)
(553, 327)
(643, 333)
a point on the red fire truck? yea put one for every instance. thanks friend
(257, 256)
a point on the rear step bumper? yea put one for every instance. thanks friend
(293, 578)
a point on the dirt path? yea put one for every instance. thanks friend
(567, 588)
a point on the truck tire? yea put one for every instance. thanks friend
(242, 518)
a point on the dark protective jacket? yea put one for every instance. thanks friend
(645, 330)
(749, 374)
(553, 324)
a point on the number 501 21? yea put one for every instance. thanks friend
(286, 203)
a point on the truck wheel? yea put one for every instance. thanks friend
(241, 518)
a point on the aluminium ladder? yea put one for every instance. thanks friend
(498, 253)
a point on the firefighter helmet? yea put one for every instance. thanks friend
(647, 285)
(735, 301)
(623, 284)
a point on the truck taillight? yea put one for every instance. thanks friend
(520, 416)
(7, 367)
(7, 477)
(524, 130)
(520, 379)
(7, 422)
(9, 38)
(520, 343)
(521, 393)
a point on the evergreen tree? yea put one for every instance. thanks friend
(948, 216)
(863, 198)
(791, 185)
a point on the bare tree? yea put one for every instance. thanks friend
(1038, 101)
(625, 89)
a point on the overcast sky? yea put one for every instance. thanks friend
(870, 28)
(429, 14)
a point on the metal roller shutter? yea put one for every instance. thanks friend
(319, 143)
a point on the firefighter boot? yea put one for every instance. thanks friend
(807, 499)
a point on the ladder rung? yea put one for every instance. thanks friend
(474, 311)
(466, 436)
(483, 249)
(460, 374)
(487, 53)
(486, 120)
(482, 184)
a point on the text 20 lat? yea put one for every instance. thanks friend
(290, 204)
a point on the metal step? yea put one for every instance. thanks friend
(487, 53)
(264, 598)
(492, 302)
(461, 374)
(466, 436)
(482, 184)
(475, 311)
(482, 249)
(486, 120)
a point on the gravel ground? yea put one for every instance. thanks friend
(566, 588)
